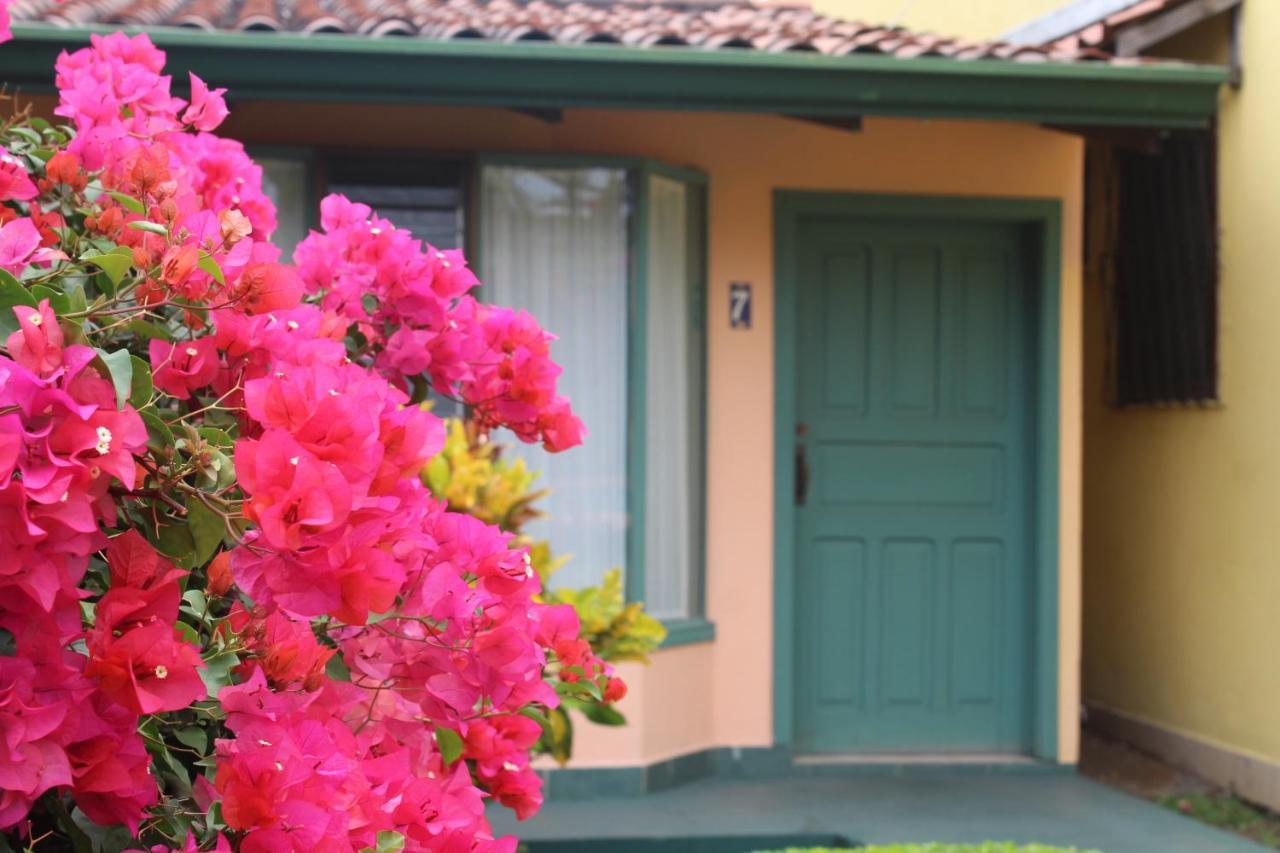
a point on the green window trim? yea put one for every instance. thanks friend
(687, 632)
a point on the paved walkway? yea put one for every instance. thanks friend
(1054, 808)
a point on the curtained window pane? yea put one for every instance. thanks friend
(673, 405)
(554, 242)
(285, 183)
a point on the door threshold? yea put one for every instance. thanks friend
(916, 759)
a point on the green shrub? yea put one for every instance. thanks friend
(986, 847)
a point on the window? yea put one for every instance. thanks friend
(426, 198)
(554, 242)
(1153, 247)
(673, 410)
(286, 182)
(610, 257)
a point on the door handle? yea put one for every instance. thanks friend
(802, 475)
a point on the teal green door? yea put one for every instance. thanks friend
(914, 464)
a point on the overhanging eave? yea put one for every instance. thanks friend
(356, 69)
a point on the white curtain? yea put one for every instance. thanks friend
(285, 183)
(673, 478)
(554, 242)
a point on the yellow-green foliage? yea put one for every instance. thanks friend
(617, 630)
(471, 475)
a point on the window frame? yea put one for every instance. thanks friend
(695, 628)
(315, 178)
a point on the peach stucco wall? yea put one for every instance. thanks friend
(720, 693)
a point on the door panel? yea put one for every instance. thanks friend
(913, 547)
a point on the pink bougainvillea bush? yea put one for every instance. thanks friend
(232, 617)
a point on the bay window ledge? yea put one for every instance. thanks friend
(685, 632)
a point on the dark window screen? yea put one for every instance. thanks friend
(427, 199)
(1164, 302)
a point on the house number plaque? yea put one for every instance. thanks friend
(740, 305)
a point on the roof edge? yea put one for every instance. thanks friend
(342, 68)
(1065, 20)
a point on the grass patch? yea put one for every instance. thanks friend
(1227, 812)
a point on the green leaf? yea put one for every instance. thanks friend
(217, 671)
(450, 743)
(207, 529)
(194, 737)
(150, 227)
(175, 542)
(191, 635)
(73, 287)
(605, 715)
(534, 713)
(337, 669)
(209, 265)
(195, 598)
(557, 739)
(103, 838)
(159, 436)
(12, 294)
(115, 263)
(216, 437)
(58, 300)
(27, 133)
(140, 387)
(389, 841)
(119, 365)
(166, 761)
(147, 329)
(129, 202)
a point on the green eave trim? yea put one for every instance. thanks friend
(342, 68)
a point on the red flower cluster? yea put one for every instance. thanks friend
(134, 650)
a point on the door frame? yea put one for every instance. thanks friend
(1042, 219)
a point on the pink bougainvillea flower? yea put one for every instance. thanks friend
(37, 345)
(285, 648)
(147, 669)
(19, 239)
(110, 767)
(15, 183)
(181, 368)
(293, 493)
(208, 108)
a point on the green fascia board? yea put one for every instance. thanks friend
(344, 68)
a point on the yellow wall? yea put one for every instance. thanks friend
(721, 693)
(1182, 523)
(975, 19)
